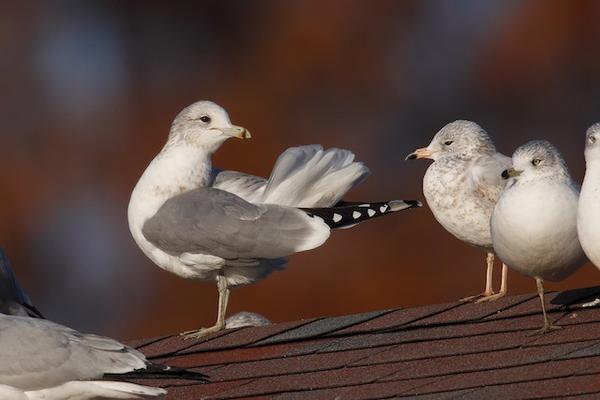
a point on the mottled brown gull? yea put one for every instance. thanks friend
(461, 188)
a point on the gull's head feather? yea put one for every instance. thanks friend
(203, 124)
(592, 143)
(462, 139)
(539, 159)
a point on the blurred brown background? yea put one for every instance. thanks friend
(89, 90)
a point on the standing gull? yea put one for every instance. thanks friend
(13, 299)
(588, 217)
(40, 359)
(462, 186)
(202, 223)
(534, 223)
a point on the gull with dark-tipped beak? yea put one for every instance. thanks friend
(462, 186)
(534, 223)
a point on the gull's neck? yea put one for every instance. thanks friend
(175, 170)
(592, 174)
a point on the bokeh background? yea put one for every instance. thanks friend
(89, 90)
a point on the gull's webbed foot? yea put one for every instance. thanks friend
(490, 297)
(200, 333)
(476, 298)
(547, 328)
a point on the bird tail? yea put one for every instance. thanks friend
(158, 371)
(308, 176)
(346, 215)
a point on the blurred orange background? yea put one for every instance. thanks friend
(89, 90)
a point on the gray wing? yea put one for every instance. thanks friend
(486, 175)
(215, 222)
(248, 187)
(36, 354)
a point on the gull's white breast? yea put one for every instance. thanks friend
(534, 229)
(179, 170)
(588, 218)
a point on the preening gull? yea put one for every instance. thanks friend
(462, 186)
(534, 223)
(245, 318)
(202, 223)
(588, 217)
(13, 299)
(40, 359)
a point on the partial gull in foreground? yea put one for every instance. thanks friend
(534, 223)
(462, 186)
(202, 223)
(13, 299)
(588, 216)
(40, 359)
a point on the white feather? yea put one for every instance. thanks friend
(308, 176)
(85, 390)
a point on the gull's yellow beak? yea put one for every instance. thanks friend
(237, 131)
(511, 173)
(419, 153)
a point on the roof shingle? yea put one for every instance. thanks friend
(447, 351)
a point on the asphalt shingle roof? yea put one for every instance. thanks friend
(444, 351)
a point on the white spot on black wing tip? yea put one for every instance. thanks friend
(383, 208)
(337, 217)
(356, 215)
(371, 212)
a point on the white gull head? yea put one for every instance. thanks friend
(535, 160)
(205, 125)
(460, 139)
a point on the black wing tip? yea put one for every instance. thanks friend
(158, 371)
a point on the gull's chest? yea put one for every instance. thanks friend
(456, 204)
(445, 186)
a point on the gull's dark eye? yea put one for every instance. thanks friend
(536, 161)
(592, 139)
(205, 119)
(448, 142)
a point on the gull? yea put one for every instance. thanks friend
(588, 216)
(40, 359)
(13, 299)
(462, 186)
(245, 318)
(534, 223)
(203, 223)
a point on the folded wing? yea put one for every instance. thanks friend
(219, 223)
(486, 175)
(37, 354)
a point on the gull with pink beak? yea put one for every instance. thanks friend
(462, 186)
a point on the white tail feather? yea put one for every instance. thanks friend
(308, 176)
(96, 390)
